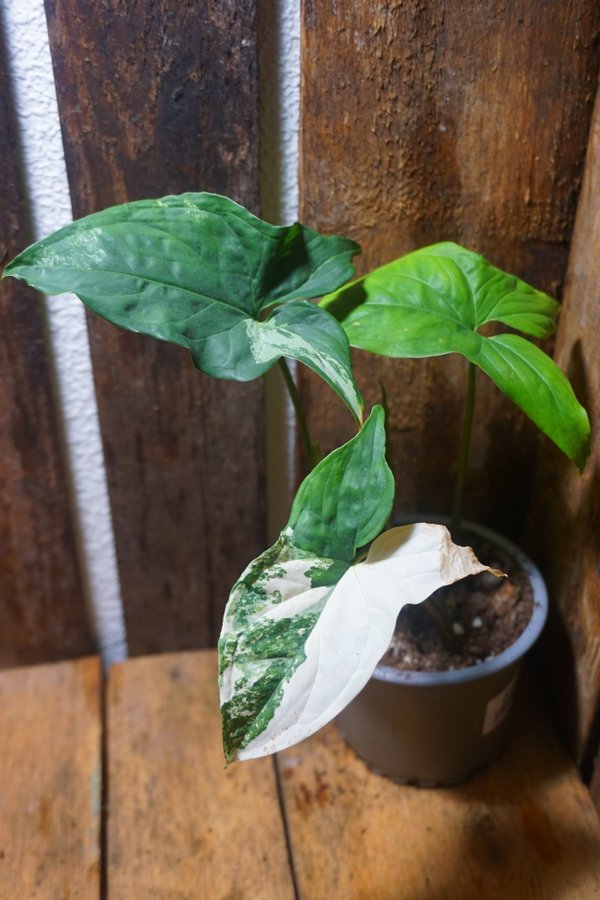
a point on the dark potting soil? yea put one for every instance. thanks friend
(485, 616)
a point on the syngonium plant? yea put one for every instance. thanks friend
(308, 621)
(436, 301)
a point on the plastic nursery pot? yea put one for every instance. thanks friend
(435, 728)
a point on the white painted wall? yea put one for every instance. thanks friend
(45, 177)
(46, 185)
(279, 73)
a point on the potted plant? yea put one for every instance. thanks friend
(442, 721)
(308, 621)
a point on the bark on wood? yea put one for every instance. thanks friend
(431, 121)
(159, 98)
(50, 781)
(180, 825)
(524, 827)
(565, 520)
(42, 614)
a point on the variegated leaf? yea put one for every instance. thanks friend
(202, 272)
(302, 635)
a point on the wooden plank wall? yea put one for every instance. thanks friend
(42, 616)
(419, 122)
(423, 122)
(431, 121)
(565, 523)
(160, 98)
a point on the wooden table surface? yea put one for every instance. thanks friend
(119, 791)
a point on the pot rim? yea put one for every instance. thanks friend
(503, 660)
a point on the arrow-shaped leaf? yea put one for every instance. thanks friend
(347, 499)
(293, 654)
(304, 627)
(200, 271)
(435, 300)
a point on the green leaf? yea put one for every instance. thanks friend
(347, 499)
(529, 377)
(200, 271)
(305, 332)
(302, 635)
(341, 505)
(435, 300)
(305, 625)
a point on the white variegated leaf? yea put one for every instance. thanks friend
(201, 271)
(299, 330)
(296, 648)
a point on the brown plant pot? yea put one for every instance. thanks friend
(435, 728)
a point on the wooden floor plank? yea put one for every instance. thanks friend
(179, 824)
(50, 781)
(524, 828)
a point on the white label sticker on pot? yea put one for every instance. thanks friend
(498, 708)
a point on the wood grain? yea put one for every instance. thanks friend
(565, 521)
(525, 827)
(595, 782)
(42, 614)
(159, 98)
(50, 781)
(180, 824)
(434, 121)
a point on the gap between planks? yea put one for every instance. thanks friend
(525, 827)
(179, 825)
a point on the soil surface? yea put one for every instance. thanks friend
(483, 616)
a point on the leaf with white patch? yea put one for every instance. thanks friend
(305, 332)
(302, 635)
(201, 271)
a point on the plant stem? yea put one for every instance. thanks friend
(309, 448)
(457, 505)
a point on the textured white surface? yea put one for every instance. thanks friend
(279, 75)
(46, 183)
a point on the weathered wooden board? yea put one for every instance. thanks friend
(179, 823)
(565, 521)
(525, 827)
(595, 783)
(159, 98)
(42, 615)
(431, 121)
(50, 781)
